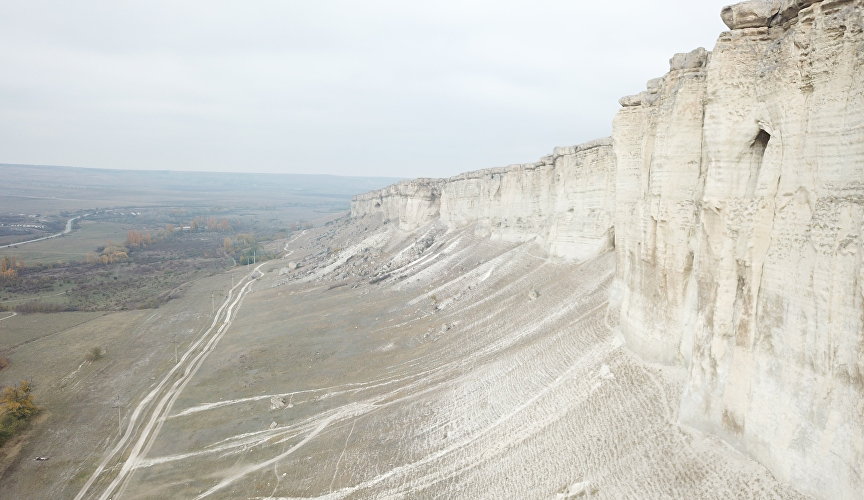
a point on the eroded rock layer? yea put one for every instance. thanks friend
(734, 188)
(565, 201)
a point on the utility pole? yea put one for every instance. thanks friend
(119, 419)
(212, 305)
(174, 341)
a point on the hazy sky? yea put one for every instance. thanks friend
(373, 87)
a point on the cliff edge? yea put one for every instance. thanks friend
(732, 192)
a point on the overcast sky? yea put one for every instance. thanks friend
(373, 87)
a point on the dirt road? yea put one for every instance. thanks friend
(65, 231)
(147, 417)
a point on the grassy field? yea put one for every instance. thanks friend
(137, 307)
(81, 399)
(66, 272)
(70, 247)
(20, 330)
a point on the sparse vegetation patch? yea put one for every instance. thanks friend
(150, 267)
(16, 409)
(94, 354)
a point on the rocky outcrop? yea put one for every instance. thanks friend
(411, 203)
(752, 14)
(764, 13)
(734, 188)
(564, 201)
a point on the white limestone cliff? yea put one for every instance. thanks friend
(739, 245)
(564, 201)
(778, 340)
(659, 163)
(411, 204)
(734, 188)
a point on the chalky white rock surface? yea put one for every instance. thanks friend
(738, 239)
(564, 201)
(778, 353)
(409, 203)
(659, 159)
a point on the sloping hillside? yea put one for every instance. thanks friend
(433, 364)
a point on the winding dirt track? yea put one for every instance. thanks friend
(147, 417)
(65, 231)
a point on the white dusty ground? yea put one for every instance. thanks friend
(430, 364)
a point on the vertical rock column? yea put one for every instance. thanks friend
(657, 143)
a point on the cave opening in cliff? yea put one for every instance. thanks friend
(757, 155)
(760, 143)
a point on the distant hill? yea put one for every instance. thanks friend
(155, 186)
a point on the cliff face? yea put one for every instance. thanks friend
(658, 135)
(564, 201)
(734, 188)
(410, 204)
(778, 348)
(740, 204)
